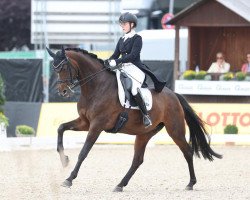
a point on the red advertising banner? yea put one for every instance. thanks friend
(217, 116)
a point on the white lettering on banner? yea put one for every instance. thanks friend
(245, 89)
(204, 87)
(185, 87)
(223, 88)
(226, 88)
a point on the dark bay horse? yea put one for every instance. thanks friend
(99, 107)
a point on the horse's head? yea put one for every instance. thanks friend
(67, 72)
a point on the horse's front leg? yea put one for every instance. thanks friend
(75, 125)
(90, 140)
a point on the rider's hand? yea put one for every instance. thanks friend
(106, 62)
(112, 63)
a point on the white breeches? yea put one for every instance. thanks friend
(135, 74)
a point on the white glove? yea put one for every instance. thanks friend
(112, 63)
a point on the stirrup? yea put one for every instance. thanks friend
(147, 121)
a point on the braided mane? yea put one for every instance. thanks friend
(92, 55)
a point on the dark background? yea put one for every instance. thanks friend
(22, 79)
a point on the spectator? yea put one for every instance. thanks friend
(246, 67)
(220, 66)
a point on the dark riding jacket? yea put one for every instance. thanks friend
(130, 50)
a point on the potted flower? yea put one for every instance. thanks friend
(200, 75)
(230, 132)
(25, 131)
(189, 75)
(228, 76)
(240, 76)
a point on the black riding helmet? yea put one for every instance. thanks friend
(128, 17)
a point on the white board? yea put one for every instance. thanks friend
(74, 21)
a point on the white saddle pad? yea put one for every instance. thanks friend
(147, 96)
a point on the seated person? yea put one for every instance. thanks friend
(220, 66)
(246, 67)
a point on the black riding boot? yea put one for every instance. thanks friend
(140, 102)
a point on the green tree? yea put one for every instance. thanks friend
(2, 96)
(15, 18)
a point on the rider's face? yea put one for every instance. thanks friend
(248, 58)
(125, 27)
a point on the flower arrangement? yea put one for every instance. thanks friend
(228, 76)
(189, 75)
(203, 75)
(240, 76)
(200, 75)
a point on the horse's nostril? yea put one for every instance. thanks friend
(64, 91)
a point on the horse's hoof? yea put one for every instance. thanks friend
(66, 184)
(118, 189)
(189, 187)
(65, 161)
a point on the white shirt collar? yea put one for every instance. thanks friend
(129, 35)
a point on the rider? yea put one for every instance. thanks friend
(129, 47)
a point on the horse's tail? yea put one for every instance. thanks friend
(198, 133)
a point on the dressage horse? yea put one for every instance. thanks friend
(99, 108)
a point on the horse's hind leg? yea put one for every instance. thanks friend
(75, 125)
(178, 135)
(139, 149)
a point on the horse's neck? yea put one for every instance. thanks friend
(88, 68)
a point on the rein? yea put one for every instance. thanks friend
(88, 78)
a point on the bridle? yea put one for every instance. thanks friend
(74, 81)
(71, 82)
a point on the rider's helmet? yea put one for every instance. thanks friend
(128, 17)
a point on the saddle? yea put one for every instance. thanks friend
(124, 92)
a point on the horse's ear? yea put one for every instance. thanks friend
(63, 51)
(50, 52)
